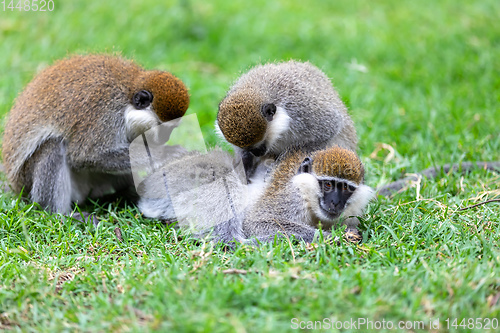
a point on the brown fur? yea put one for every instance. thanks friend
(331, 162)
(80, 103)
(307, 110)
(339, 163)
(240, 119)
(169, 105)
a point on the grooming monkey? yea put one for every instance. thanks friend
(275, 106)
(68, 133)
(280, 105)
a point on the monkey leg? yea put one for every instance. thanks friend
(101, 172)
(228, 232)
(50, 176)
(265, 230)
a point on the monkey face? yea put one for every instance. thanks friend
(335, 195)
(328, 196)
(241, 122)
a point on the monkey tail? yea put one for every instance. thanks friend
(431, 173)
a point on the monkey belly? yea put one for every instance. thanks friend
(97, 184)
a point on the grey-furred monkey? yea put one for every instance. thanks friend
(68, 134)
(279, 105)
(306, 189)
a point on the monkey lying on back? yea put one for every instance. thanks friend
(304, 189)
(68, 134)
(276, 106)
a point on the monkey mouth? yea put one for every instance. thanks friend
(329, 212)
(258, 151)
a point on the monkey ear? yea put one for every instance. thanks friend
(306, 165)
(142, 99)
(268, 111)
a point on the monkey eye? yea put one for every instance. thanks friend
(345, 186)
(142, 99)
(327, 186)
(268, 111)
(352, 188)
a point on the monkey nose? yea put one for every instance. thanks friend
(335, 206)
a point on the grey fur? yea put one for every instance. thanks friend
(317, 117)
(228, 211)
(203, 192)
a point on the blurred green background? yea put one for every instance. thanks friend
(421, 76)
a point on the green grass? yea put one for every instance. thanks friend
(422, 77)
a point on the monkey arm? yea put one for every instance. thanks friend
(432, 172)
(264, 230)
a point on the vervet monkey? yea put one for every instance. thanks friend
(280, 105)
(307, 189)
(68, 133)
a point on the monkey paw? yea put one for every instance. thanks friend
(352, 235)
(85, 217)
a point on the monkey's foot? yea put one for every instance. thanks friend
(352, 235)
(85, 217)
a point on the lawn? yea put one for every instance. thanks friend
(421, 80)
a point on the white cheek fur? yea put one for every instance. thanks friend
(218, 132)
(139, 121)
(359, 200)
(309, 190)
(279, 125)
